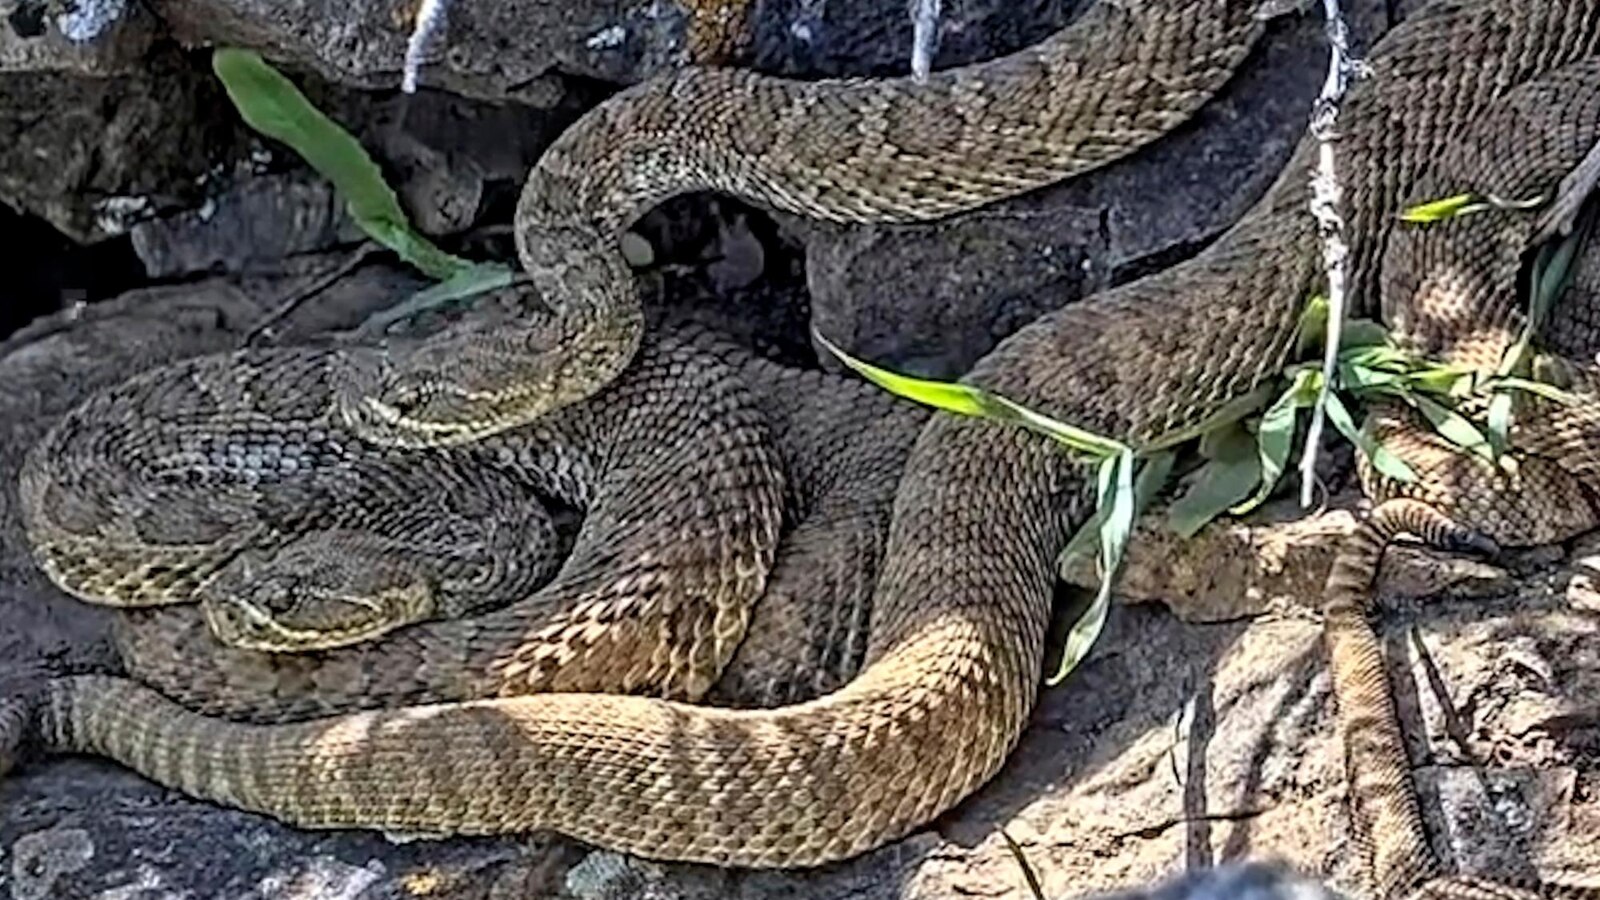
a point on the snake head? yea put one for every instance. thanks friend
(475, 378)
(317, 593)
(445, 391)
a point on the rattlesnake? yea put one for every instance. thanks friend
(1159, 63)
(841, 446)
(842, 150)
(958, 617)
(1451, 293)
(284, 505)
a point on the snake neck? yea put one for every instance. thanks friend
(850, 150)
(894, 149)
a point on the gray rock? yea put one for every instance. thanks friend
(257, 224)
(498, 50)
(84, 37)
(92, 156)
(493, 50)
(807, 38)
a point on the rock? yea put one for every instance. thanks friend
(490, 50)
(1274, 561)
(804, 38)
(257, 223)
(94, 155)
(41, 858)
(502, 50)
(83, 37)
(898, 297)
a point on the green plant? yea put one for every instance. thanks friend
(1117, 501)
(1244, 455)
(272, 105)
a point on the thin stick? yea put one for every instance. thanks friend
(1562, 214)
(1326, 193)
(924, 37)
(430, 20)
(299, 295)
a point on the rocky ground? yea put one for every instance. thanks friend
(1198, 734)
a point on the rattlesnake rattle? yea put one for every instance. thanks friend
(1451, 293)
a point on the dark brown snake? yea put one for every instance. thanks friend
(955, 639)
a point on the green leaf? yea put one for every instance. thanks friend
(1361, 379)
(1312, 325)
(476, 279)
(1453, 427)
(1085, 538)
(1500, 423)
(1443, 380)
(1116, 496)
(1444, 208)
(1465, 204)
(1154, 472)
(1071, 436)
(1152, 477)
(1552, 270)
(951, 397)
(1381, 357)
(1232, 471)
(272, 105)
(1275, 435)
(1380, 456)
(1537, 388)
(967, 400)
(1234, 411)
(1359, 333)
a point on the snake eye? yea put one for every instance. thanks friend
(407, 397)
(277, 594)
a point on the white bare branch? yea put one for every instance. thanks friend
(1326, 193)
(430, 21)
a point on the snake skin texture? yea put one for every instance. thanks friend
(1456, 291)
(954, 640)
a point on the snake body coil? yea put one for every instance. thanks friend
(955, 639)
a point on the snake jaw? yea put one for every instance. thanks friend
(447, 394)
(394, 425)
(240, 621)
